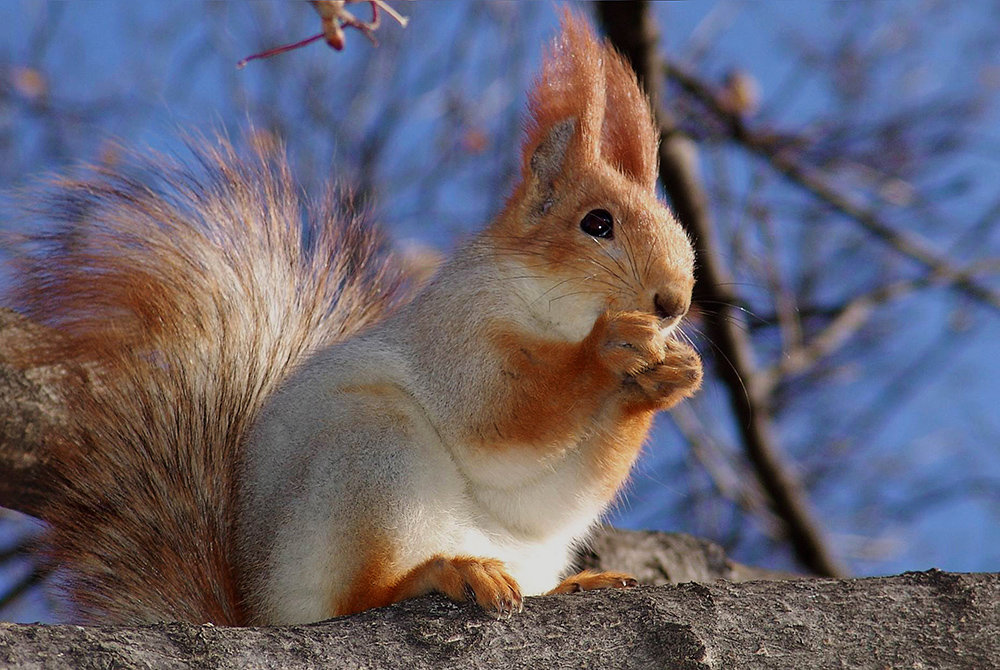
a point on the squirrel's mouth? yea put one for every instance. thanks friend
(669, 322)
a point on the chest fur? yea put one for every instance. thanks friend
(528, 514)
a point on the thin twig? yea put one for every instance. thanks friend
(728, 482)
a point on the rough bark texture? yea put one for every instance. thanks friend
(31, 408)
(656, 558)
(917, 620)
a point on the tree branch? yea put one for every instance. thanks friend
(917, 620)
(31, 408)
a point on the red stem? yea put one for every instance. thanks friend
(278, 50)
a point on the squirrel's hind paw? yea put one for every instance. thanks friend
(462, 578)
(588, 580)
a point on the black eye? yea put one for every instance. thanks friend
(598, 223)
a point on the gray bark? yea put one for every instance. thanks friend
(917, 620)
(656, 558)
(31, 408)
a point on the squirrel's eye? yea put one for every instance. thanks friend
(598, 223)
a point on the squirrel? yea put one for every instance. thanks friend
(279, 427)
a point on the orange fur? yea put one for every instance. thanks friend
(551, 389)
(372, 585)
(587, 79)
(459, 578)
(531, 406)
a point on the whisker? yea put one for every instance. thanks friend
(607, 253)
(718, 350)
(649, 258)
(722, 303)
(557, 285)
(630, 252)
(567, 295)
(607, 269)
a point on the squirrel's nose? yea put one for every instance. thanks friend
(670, 305)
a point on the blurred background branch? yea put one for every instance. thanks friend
(779, 153)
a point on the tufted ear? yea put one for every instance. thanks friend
(565, 106)
(629, 137)
(585, 107)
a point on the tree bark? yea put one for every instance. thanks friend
(917, 620)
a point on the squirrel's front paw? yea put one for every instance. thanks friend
(675, 377)
(629, 342)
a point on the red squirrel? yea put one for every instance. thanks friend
(278, 432)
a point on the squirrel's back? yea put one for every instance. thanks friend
(186, 292)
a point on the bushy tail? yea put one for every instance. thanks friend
(188, 291)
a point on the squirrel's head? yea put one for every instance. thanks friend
(584, 227)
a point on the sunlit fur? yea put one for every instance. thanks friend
(274, 444)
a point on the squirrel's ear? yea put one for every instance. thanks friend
(565, 106)
(585, 107)
(548, 161)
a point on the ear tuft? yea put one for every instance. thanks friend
(630, 136)
(588, 81)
